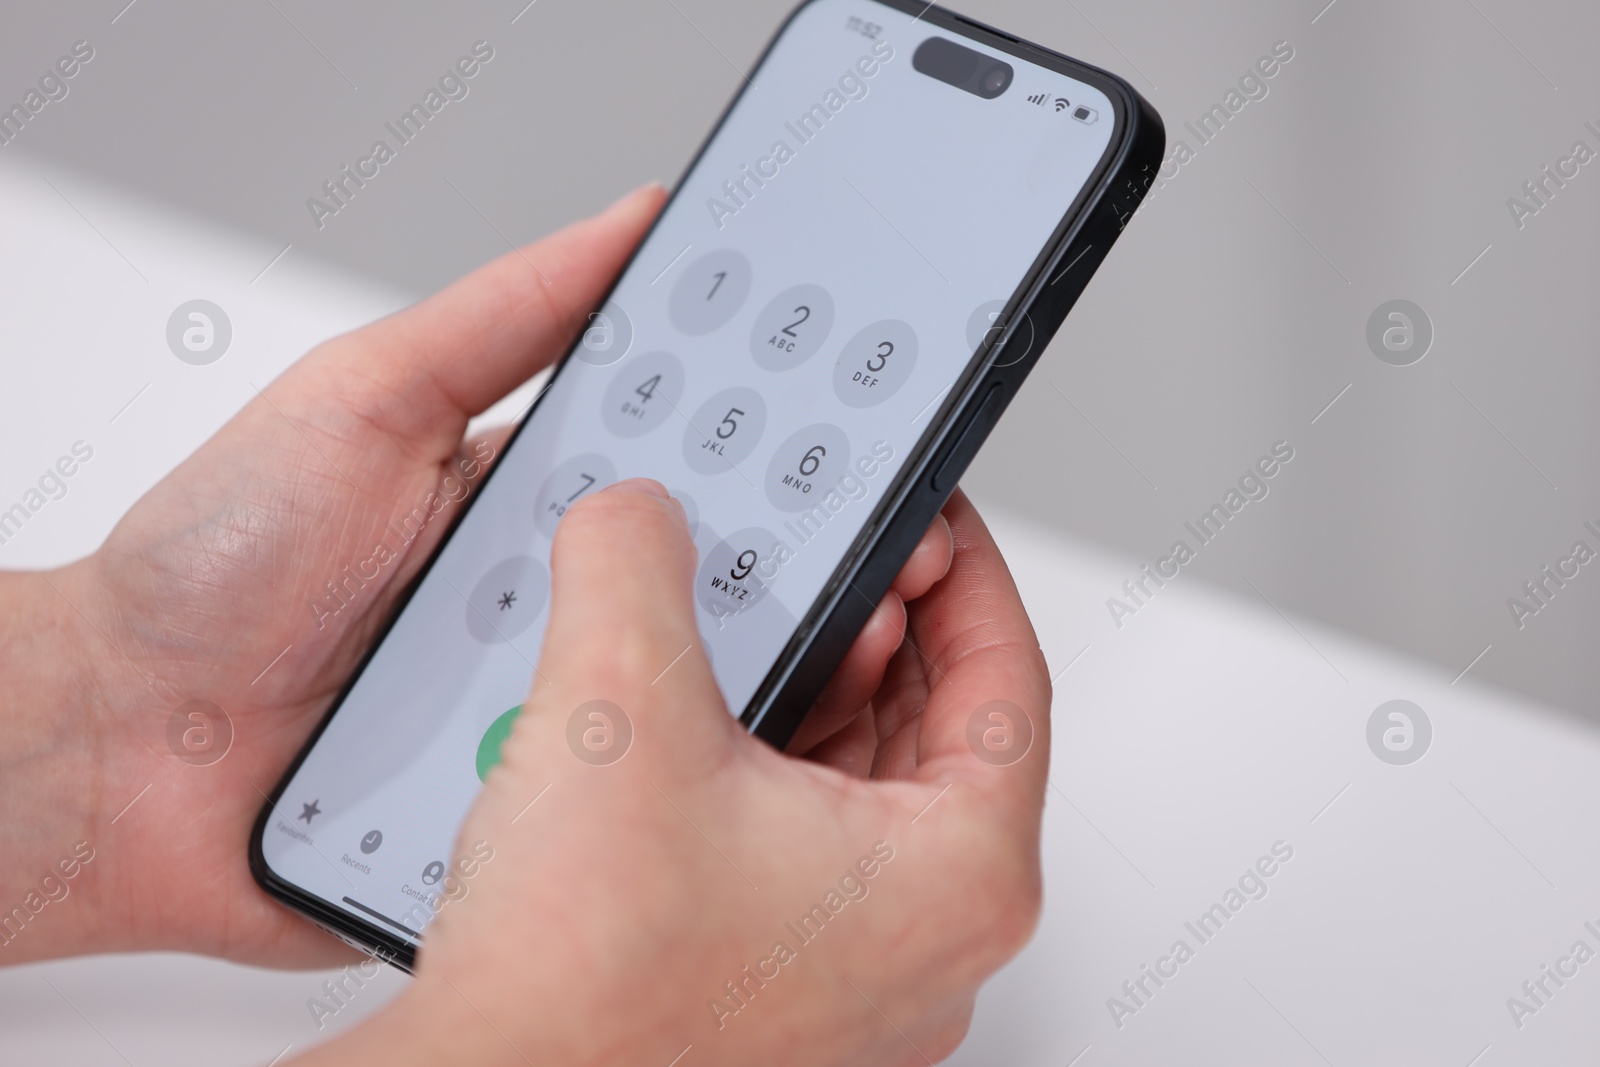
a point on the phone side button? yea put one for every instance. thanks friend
(971, 437)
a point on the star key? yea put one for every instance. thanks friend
(507, 599)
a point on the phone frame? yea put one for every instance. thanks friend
(867, 569)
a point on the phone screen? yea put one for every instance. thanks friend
(773, 353)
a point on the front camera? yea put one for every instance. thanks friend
(965, 68)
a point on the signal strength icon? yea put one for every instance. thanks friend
(1037, 98)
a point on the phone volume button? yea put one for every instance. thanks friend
(966, 443)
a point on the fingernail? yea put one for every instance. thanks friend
(651, 487)
(635, 195)
(648, 486)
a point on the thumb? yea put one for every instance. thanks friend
(623, 629)
(421, 373)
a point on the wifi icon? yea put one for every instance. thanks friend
(1062, 104)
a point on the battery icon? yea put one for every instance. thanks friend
(1085, 115)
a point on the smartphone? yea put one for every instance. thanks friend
(845, 290)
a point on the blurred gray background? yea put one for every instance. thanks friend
(1234, 310)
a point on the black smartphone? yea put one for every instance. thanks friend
(847, 287)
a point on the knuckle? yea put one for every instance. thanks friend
(999, 900)
(1020, 897)
(1012, 896)
(948, 1036)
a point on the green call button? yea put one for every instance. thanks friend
(493, 738)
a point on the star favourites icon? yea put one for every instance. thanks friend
(309, 812)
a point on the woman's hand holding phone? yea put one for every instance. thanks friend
(619, 904)
(206, 590)
(705, 891)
